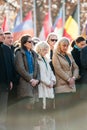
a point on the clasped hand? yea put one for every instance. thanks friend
(71, 82)
(34, 82)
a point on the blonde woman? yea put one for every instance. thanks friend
(66, 70)
(51, 40)
(48, 80)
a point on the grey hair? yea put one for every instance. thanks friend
(40, 46)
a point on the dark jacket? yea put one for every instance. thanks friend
(6, 67)
(3, 72)
(51, 65)
(83, 58)
(76, 55)
(9, 61)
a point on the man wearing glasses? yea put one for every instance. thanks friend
(51, 40)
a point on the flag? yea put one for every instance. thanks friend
(26, 27)
(28, 16)
(58, 24)
(84, 31)
(17, 20)
(47, 26)
(5, 25)
(71, 26)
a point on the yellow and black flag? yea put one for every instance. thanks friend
(71, 25)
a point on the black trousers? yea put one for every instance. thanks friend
(3, 105)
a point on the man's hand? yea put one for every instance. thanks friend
(11, 85)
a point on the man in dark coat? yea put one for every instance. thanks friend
(9, 49)
(83, 58)
(77, 45)
(5, 77)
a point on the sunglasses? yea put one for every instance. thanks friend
(53, 40)
(1, 34)
(30, 41)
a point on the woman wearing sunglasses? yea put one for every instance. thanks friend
(28, 69)
(51, 40)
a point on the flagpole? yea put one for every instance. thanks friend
(63, 12)
(78, 4)
(50, 20)
(21, 11)
(86, 28)
(35, 30)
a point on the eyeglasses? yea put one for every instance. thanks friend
(30, 41)
(53, 40)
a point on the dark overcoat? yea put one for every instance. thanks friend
(6, 67)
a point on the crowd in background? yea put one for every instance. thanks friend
(40, 73)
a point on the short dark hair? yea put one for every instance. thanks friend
(23, 40)
(80, 39)
(7, 33)
(73, 43)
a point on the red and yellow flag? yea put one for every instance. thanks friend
(71, 26)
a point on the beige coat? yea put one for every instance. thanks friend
(63, 71)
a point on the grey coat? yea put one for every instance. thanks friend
(24, 88)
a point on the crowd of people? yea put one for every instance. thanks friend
(40, 73)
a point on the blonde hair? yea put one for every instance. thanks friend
(40, 46)
(62, 40)
(51, 34)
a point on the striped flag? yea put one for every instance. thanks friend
(26, 27)
(46, 28)
(17, 20)
(58, 25)
(5, 24)
(71, 26)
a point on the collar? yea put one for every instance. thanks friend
(7, 45)
(75, 46)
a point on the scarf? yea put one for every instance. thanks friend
(29, 61)
(45, 62)
(68, 59)
(77, 47)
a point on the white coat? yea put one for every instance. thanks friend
(47, 77)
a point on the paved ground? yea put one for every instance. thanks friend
(73, 116)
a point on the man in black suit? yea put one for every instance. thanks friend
(9, 49)
(9, 54)
(6, 79)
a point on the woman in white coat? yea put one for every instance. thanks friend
(48, 80)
